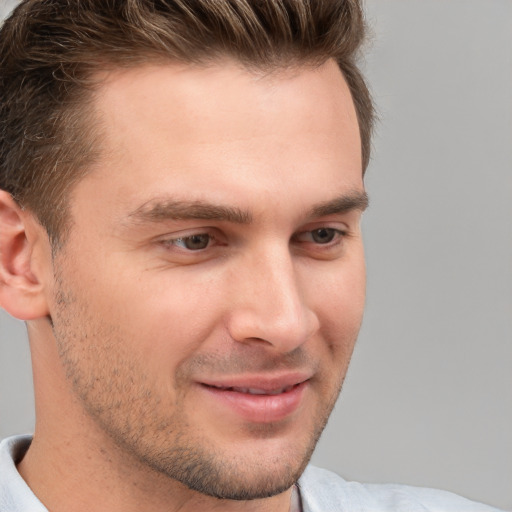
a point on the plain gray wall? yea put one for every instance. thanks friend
(428, 398)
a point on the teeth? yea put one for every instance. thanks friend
(257, 391)
(254, 391)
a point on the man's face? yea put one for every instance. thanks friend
(209, 295)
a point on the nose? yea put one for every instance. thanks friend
(269, 303)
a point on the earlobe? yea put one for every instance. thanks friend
(21, 289)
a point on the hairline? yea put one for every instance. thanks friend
(92, 132)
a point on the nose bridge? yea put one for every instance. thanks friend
(272, 304)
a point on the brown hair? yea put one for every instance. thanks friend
(50, 50)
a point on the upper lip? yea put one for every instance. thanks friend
(262, 382)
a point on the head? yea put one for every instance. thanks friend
(186, 188)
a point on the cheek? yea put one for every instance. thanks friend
(339, 304)
(340, 293)
(170, 315)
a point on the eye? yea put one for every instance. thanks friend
(321, 236)
(192, 242)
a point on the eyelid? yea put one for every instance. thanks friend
(181, 242)
(169, 240)
(338, 235)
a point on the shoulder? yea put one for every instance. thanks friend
(15, 495)
(324, 491)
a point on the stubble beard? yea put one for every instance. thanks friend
(117, 395)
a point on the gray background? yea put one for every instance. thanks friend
(428, 398)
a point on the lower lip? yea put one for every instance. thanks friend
(259, 408)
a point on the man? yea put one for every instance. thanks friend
(182, 187)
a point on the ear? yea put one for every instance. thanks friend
(21, 276)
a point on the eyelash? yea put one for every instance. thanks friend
(336, 237)
(175, 241)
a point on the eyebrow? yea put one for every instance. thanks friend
(159, 210)
(162, 210)
(353, 201)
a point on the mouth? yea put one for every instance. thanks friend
(256, 391)
(258, 400)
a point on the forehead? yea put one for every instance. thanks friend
(229, 80)
(176, 127)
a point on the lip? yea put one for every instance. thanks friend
(258, 399)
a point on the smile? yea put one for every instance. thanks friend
(256, 391)
(257, 400)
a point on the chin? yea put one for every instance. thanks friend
(259, 473)
(250, 483)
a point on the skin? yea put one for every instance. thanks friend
(218, 238)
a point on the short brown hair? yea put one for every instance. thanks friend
(51, 49)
